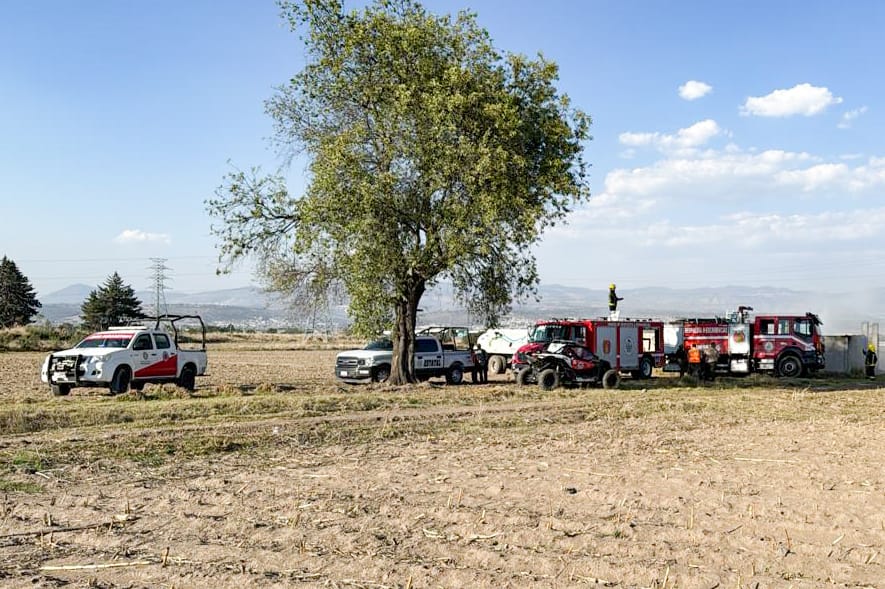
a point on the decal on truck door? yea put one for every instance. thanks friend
(164, 368)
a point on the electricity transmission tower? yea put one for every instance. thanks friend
(158, 278)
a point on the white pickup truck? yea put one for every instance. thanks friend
(130, 356)
(435, 355)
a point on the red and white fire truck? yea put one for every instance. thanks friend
(634, 346)
(783, 344)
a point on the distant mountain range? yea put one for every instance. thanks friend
(256, 308)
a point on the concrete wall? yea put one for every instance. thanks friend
(844, 353)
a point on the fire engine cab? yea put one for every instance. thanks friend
(634, 346)
(786, 345)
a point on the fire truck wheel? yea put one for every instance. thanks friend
(548, 379)
(611, 379)
(496, 365)
(789, 366)
(646, 366)
(60, 390)
(524, 376)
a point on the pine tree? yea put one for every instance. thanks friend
(114, 303)
(18, 303)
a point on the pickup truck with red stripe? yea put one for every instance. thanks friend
(131, 356)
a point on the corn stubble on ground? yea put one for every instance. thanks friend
(274, 475)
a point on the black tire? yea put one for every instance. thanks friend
(646, 367)
(497, 365)
(525, 376)
(188, 378)
(789, 366)
(548, 379)
(60, 390)
(122, 379)
(381, 373)
(611, 379)
(455, 374)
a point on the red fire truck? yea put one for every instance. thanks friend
(634, 346)
(786, 345)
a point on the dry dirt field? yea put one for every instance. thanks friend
(273, 475)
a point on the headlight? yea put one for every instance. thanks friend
(361, 362)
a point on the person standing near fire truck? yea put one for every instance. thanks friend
(870, 360)
(613, 299)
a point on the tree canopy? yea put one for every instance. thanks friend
(18, 302)
(114, 303)
(431, 156)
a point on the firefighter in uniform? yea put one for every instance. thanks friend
(613, 299)
(480, 374)
(870, 360)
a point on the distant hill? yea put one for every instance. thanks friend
(74, 294)
(253, 307)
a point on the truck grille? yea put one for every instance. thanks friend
(346, 362)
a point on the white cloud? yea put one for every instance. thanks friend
(815, 177)
(849, 117)
(731, 195)
(692, 90)
(685, 140)
(139, 236)
(802, 99)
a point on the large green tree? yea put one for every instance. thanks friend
(18, 302)
(431, 156)
(113, 303)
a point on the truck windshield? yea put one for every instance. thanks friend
(804, 328)
(381, 344)
(546, 333)
(104, 342)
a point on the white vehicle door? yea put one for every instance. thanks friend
(428, 355)
(142, 354)
(167, 360)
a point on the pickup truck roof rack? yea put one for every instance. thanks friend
(174, 319)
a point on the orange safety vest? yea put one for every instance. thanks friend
(694, 356)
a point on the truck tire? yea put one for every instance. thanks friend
(548, 379)
(455, 374)
(60, 390)
(381, 373)
(611, 379)
(497, 364)
(188, 378)
(525, 376)
(646, 367)
(789, 366)
(121, 380)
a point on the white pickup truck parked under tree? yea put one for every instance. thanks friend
(128, 356)
(433, 357)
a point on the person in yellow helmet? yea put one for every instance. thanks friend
(870, 360)
(613, 298)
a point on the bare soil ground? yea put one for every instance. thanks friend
(273, 475)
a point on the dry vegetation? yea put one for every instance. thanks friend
(274, 475)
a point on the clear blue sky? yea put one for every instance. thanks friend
(734, 143)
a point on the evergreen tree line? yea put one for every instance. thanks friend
(112, 303)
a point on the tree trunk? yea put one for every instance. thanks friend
(402, 370)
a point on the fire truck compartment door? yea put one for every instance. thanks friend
(739, 339)
(607, 345)
(629, 348)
